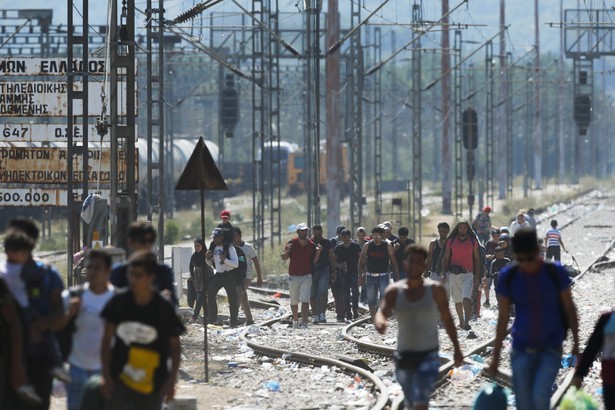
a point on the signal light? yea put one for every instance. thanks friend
(582, 111)
(469, 129)
(229, 107)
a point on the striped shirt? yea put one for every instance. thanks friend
(250, 255)
(553, 237)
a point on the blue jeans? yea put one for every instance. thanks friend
(533, 376)
(320, 283)
(376, 285)
(417, 384)
(74, 389)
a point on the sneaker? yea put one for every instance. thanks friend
(304, 325)
(59, 373)
(466, 327)
(316, 319)
(27, 393)
(295, 325)
(323, 318)
(249, 322)
(487, 304)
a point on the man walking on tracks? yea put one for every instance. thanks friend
(435, 252)
(419, 305)
(376, 256)
(302, 253)
(461, 263)
(544, 311)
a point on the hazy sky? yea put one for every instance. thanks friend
(476, 12)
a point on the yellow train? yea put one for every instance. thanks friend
(296, 170)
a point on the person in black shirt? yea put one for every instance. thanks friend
(400, 247)
(146, 332)
(346, 259)
(496, 267)
(141, 237)
(434, 254)
(321, 277)
(200, 274)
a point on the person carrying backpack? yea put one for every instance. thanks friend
(37, 290)
(83, 325)
(545, 310)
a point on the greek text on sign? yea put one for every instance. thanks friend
(48, 98)
(49, 66)
(39, 197)
(45, 133)
(16, 166)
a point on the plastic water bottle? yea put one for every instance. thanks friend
(272, 385)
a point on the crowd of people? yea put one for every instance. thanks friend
(119, 331)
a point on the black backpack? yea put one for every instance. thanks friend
(552, 272)
(242, 268)
(65, 335)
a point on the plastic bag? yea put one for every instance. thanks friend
(576, 399)
(491, 397)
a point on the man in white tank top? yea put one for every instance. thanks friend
(419, 304)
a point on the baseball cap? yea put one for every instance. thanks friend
(495, 231)
(302, 227)
(387, 224)
(226, 213)
(217, 232)
(487, 209)
(339, 229)
(504, 237)
(499, 249)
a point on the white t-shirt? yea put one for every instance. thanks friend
(85, 351)
(250, 253)
(11, 273)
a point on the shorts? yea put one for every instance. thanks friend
(320, 283)
(418, 384)
(375, 287)
(299, 289)
(461, 286)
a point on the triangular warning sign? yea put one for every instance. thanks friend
(97, 245)
(201, 171)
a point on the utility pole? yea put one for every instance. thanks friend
(446, 97)
(334, 157)
(417, 169)
(537, 107)
(155, 117)
(560, 103)
(313, 9)
(392, 111)
(355, 73)
(503, 137)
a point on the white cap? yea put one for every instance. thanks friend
(302, 227)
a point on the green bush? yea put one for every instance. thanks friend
(171, 232)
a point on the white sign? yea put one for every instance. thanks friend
(97, 244)
(49, 99)
(48, 133)
(13, 66)
(40, 197)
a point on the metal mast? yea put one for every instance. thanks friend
(446, 98)
(76, 153)
(457, 88)
(503, 132)
(537, 106)
(508, 103)
(417, 171)
(377, 103)
(356, 132)
(312, 170)
(123, 195)
(260, 117)
(155, 117)
(489, 151)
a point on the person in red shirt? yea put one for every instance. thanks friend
(461, 265)
(303, 254)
